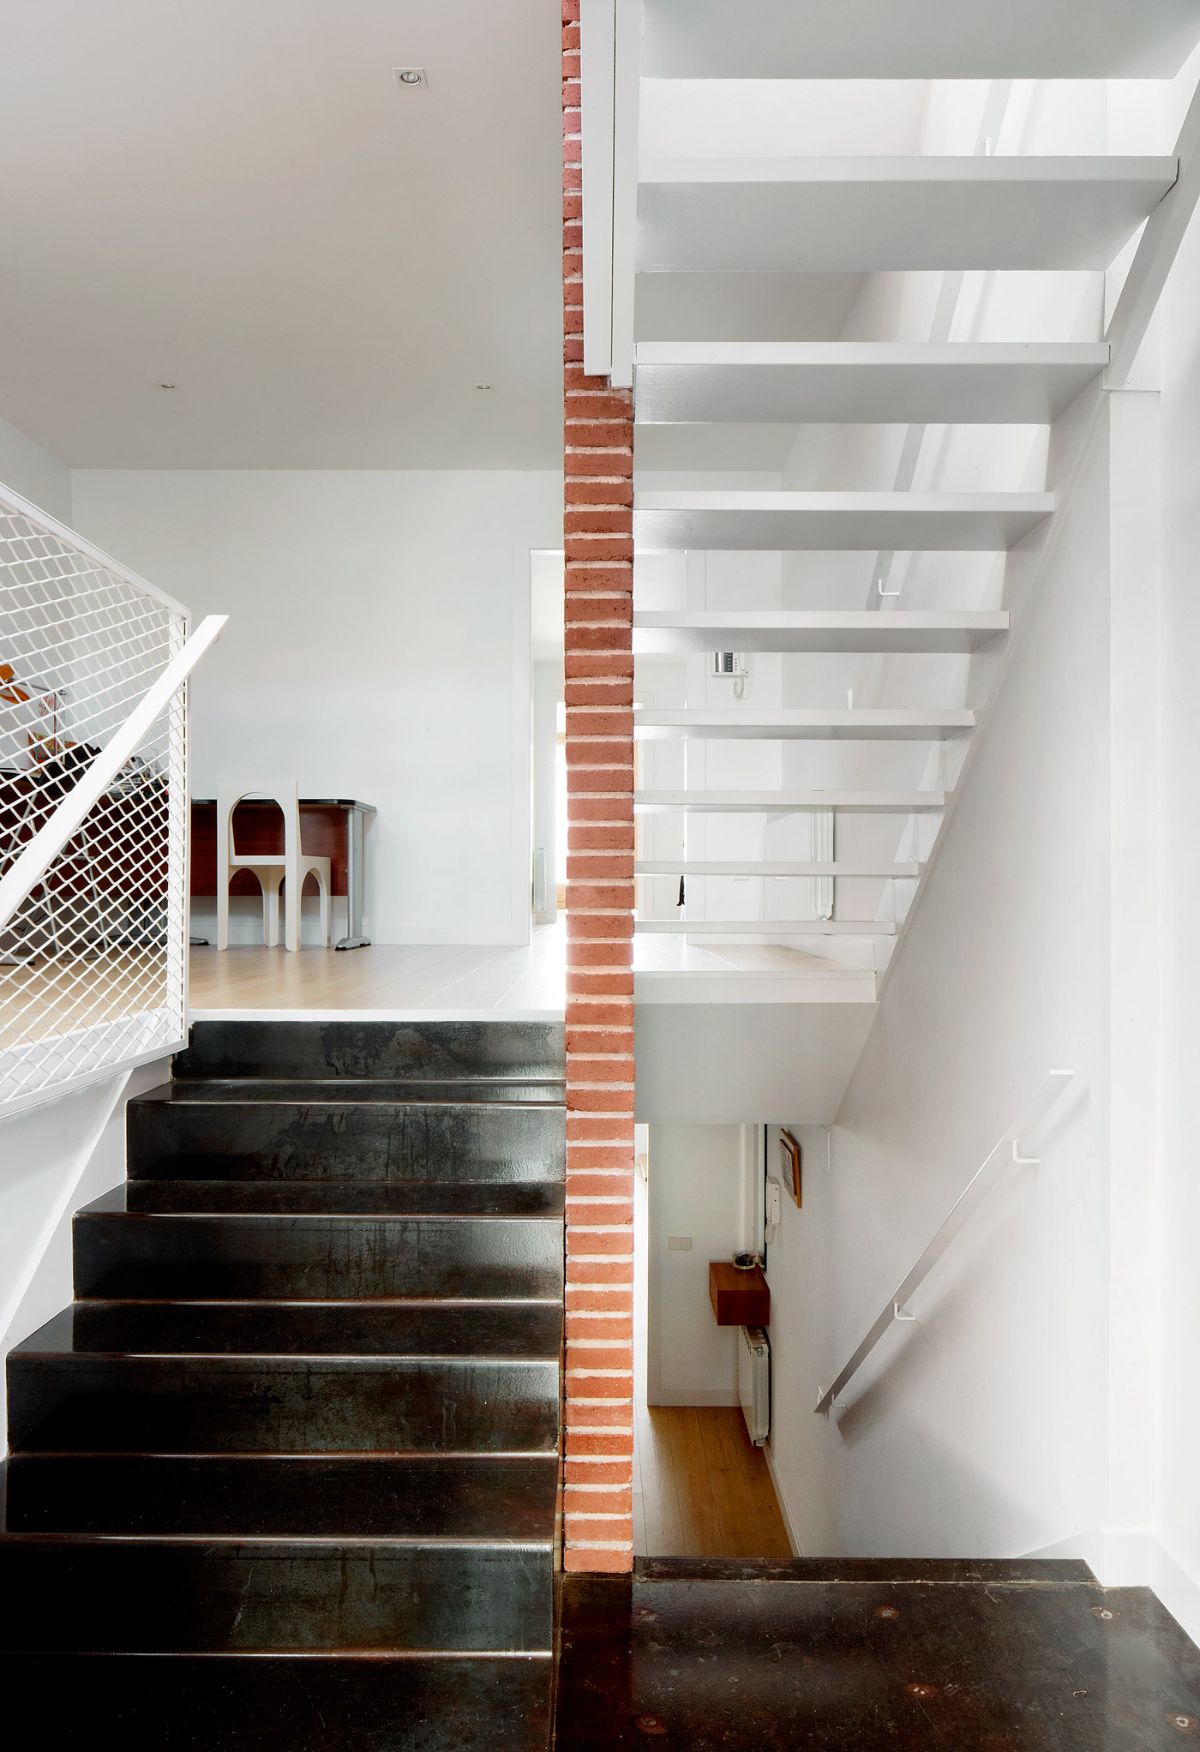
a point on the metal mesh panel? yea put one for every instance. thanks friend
(92, 962)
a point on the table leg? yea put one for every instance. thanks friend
(354, 938)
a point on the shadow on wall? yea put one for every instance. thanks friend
(939, 1483)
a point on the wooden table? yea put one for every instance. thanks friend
(333, 828)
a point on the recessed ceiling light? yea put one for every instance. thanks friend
(483, 386)
(410, 76)
(168, 386)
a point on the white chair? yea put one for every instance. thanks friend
(291, 868)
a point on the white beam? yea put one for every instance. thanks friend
(626, 105)
(1155, 254)
(597, 49)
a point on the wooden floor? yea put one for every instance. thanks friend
(384, 976)
(700, 1488)
(476, 979)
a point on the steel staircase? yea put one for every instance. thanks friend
(297, 1437)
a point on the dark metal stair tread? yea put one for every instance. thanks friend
(937, 1571)
(471, 1499)
(286, 1703)
(491, 1331)
(524, 1198)
(115, 1202)
(334, 1092)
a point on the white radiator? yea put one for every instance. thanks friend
(754, 1382)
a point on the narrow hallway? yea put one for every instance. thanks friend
(701, 1488)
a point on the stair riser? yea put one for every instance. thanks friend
(520, 1331)
(472, 1497)
(283, 1406)
(122, 1255)
(374, 1049)
(277, 1704)
(157, 1598)
(380, 1142)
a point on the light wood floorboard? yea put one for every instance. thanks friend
(700, 1487)
(471, 979)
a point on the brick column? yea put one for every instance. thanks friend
(598, 539)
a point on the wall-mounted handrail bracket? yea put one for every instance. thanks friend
(1004, 1154)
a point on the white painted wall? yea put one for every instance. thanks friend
(378, 647)
(32, 471)
(981, 1430)
(1174, 1288)
(697, 1194)
(55, 1158)
(547, 696)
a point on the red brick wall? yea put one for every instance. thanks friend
(598, 537)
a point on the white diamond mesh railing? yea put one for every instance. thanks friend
(93, 810)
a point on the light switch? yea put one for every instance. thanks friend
(679, 1243)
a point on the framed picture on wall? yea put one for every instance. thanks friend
(790, 1164)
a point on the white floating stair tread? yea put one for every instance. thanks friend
(829, 215)
(750, 867)
(782, 521)
(767, 927)
(917, 39)
(868, 724)
(904, 630)
(754, 382)
(786, 802)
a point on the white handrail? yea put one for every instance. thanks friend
(36, 857)
(1007, 1151)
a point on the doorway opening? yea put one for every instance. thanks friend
(701, 1486)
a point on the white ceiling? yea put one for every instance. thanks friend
(234, 197)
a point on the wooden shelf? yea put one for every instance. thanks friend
(739, 1298)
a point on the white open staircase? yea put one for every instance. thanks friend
(845, 361)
